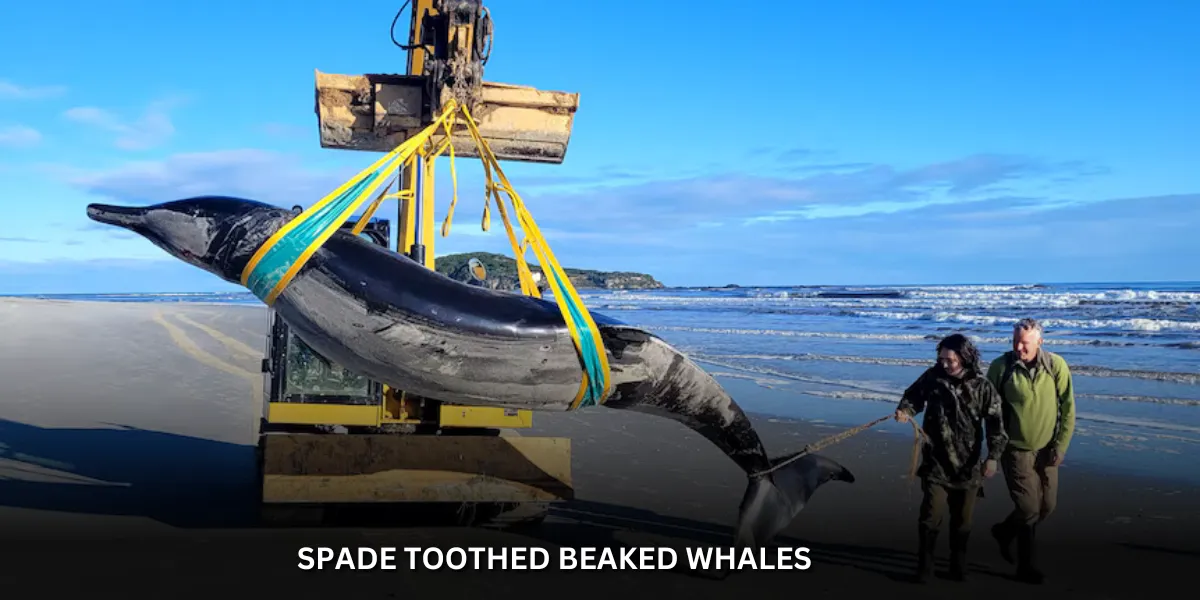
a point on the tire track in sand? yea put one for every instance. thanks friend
(235, 345)
(185, 343)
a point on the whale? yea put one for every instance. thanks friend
(381, 314)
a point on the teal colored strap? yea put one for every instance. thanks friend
(276, 262)
(588, 350)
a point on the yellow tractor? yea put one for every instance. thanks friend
(332, 438)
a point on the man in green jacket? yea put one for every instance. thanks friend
(1038, 402)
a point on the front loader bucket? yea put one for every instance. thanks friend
(376, 113)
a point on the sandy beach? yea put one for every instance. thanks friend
(126, 444)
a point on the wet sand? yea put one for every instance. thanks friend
(127, 465)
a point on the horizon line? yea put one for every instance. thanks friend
(1114, 283)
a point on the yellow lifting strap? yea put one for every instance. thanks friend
(276, 263)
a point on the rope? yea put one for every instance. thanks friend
(918, 436)
(918, 439)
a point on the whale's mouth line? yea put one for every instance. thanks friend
(120, 216)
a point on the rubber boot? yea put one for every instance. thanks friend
(1026, 553)
(927, 543)
(958, 555)
(1004, 534)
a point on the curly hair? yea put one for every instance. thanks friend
(966, 350)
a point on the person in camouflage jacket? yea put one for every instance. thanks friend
(961, 408)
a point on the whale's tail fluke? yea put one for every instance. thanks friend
(772, 500)
(655, 378)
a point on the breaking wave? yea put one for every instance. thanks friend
(1132, 324)
(1173, 310)
(1089, 370)
(1050, 340)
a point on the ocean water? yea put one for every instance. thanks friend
(844, 354)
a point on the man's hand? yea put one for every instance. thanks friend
(902, 415)
(1054, 458)
(989, 468)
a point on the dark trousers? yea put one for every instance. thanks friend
(1032, 485)
(939, 499)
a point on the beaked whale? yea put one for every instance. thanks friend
(388, 317)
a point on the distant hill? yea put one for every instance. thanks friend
(502, 274)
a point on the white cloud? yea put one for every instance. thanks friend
(19, 136)
(654, 207)
(153, 128)
(253, 174)
(14, 91)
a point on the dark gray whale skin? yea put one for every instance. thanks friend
(388, 317)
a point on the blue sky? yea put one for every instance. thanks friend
(838, 143)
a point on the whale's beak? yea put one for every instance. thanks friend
(121, 216)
